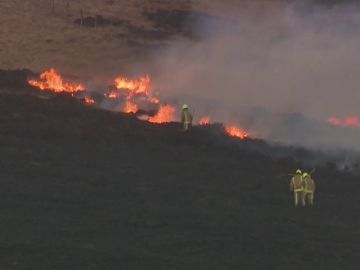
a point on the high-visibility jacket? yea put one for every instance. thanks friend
(296, 183)
(308, 185)
(186, 117)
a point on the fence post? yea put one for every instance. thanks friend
(68, 7)
(53, 6)
(82, 17)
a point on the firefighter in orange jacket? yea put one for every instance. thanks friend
(186, 117)
(296, 185)
(308, 190)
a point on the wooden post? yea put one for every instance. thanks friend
(82, 17)
(68, 7)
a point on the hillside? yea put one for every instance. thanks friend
(86, 188)
(83, 188)
(40, 34)
(36, 35)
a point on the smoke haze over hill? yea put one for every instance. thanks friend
(281, 71)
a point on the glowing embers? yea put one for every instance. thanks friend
(350, 121)
(51, 80)
(237, 132)
(89, 100)
(204, 121)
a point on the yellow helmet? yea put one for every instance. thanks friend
(305, 174)
(185, 106)
(298, 171)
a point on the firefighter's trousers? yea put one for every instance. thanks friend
(297, 197)
(307, 197)
(187, 125)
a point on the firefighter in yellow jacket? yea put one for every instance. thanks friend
(186, 117)
(309, 187)
(296, 185)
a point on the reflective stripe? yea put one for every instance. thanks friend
(298, 190)
(187, 119)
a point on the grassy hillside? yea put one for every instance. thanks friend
(40, 34)
(83, 188)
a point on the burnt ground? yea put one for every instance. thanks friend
(83, 188)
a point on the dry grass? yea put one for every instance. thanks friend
(34, 36)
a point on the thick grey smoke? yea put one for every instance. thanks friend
(281, 73)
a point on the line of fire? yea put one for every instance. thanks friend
(136, 97)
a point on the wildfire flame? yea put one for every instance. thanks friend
(111, 95)
(132, 91)
(204, 121)
(234, 131)
(52, 80)
(140, 90)
(334, 121)
(164, 115)
(130, 107)
(139, 86)
(89, 100)
(350, 121)
(154, 100)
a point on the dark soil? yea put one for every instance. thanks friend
(83, 188)
(15, 80)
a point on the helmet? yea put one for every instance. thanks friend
(185, 106)
(298, 171)
(305, 174)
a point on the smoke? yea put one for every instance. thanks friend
(280, 72)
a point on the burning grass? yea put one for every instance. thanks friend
(237, 132)
(350, 121)
(204, 121)
(134, 93)
(89, 100)
(52, 80)
(164, 115)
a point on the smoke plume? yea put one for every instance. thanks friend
(280, 72)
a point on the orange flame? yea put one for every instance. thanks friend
(130, 107)
(204, 121)
(154, 100)
(52, 80)
(89, 100)
(139, 86)
(350, 121)
(234, 131)
(164, 115)
(111, 95)
(132, 91)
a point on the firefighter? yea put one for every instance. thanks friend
(296, 186)
(186, 117)
(308, 190)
